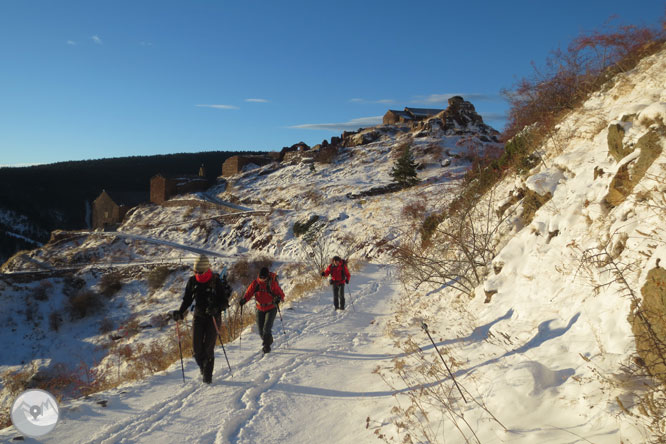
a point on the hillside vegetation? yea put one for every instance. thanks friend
(531, 272)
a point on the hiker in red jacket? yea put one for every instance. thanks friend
(268, 294)
(339, 276)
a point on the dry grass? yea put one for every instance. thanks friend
(245, 270)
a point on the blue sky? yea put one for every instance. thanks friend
(106, 78)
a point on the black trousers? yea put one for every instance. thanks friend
(339, 295)
(204, 336)
(265, 321)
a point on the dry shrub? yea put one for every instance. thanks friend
(105, 326)
(17, 381)
(30, 311)
(5, 418)
(293, 269)
(42, 291)
(130, 328)
(414, 210)
(55, 320)
(306, 286)
(571, 75)
(84, 303)
(110, 284)
(245, 270)
(157, 277)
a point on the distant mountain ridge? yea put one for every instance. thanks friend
(34, 200)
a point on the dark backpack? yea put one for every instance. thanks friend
(213, 292)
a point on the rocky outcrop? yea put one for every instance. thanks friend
(647, 322)
(630, 173)
(615, 140)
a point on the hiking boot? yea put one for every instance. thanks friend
(207, 379)
(266, 348)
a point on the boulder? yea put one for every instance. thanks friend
(616, 146)
(629, 174)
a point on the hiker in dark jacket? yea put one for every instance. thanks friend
(210, 294)
(339, 277)
(268, 294)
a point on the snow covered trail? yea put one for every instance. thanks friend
(316, 386)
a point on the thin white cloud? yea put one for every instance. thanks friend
(494, 116)
(71, 42)
(351, 125)
(96, 39)
(365, 101)
(443, 98)
(218, 106)
(144, 43)
(257, 100)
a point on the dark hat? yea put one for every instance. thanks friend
(263, 273)
(337, 258)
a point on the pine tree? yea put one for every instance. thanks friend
(404, 169)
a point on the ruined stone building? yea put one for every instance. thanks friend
(162, 188)
(409, 115)
(109, 208)
(235, 164)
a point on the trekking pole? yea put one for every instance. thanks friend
(351, 301)
(240, 331)
(182, 367)
(219, 335)
(424, 326)
(282, 322)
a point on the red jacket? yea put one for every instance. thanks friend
(339, 274)
(259, 290)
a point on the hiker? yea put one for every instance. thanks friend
(268, 294)
(210, 294)
(339, 277)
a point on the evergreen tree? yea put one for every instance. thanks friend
(404, 169)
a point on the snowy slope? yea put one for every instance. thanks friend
(550, 354)
(540, 350)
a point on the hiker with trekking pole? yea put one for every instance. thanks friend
(339, 277)
(267, 293)
(210, 294)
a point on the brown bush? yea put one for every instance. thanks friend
(42, 291)
(244, 271)
(570, 76)
(105, 326)
(414, 210)
(157, 276)
(55, 320)
(17, 381)
(84, 303)
(110, 284)
(130, 328)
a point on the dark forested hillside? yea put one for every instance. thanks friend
(57, 195)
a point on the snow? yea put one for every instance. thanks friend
(540, 348)
(319, 373)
